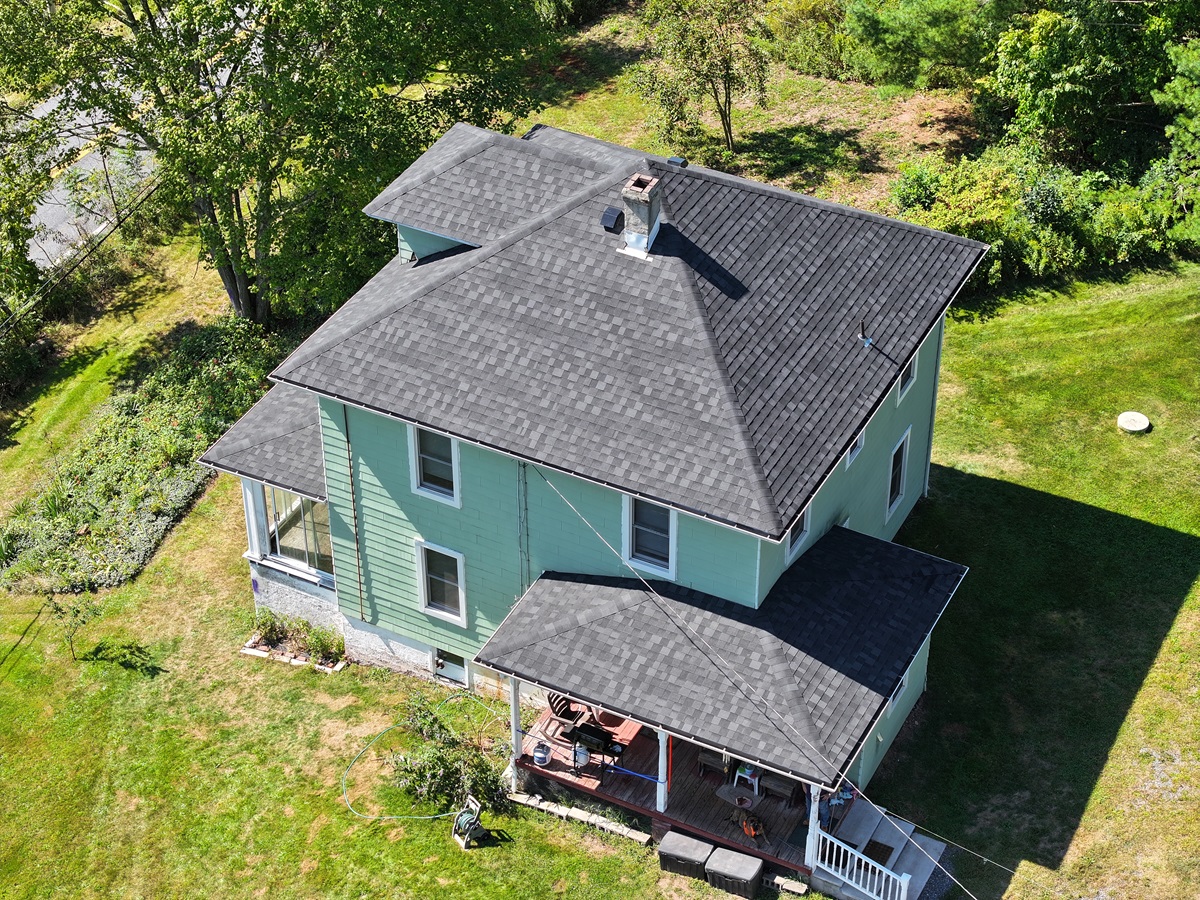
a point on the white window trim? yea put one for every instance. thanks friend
(902, 389)
(856, 447)
(420, 545)
(898, 692)
(627, 540)
(805, 520)
(891, 505)
(414, 470)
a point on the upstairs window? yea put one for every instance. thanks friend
(856, 447)
(299, 530)
(650, 536)
(435, 465)
(896, 474)
(907, 376)
(796, 535)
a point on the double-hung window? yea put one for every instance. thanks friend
(434, 466)
(896, 474)
(299, 531)
(441, 582)
(796, 535)
(650, 536)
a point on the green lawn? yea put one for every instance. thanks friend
(1061, 732)
(220, 775)
(51, 414)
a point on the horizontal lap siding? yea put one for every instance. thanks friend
(711, 558)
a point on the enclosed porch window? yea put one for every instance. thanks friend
(299, 530)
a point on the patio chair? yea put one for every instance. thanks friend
(563, 716)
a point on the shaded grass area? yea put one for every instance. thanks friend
(212, 774)
(50, 415)
(840, 141)
(1061, 733)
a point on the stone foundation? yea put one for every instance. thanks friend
(293, 597)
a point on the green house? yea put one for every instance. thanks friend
(633, 434)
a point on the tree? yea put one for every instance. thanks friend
(1077, 79)
(1181, 95)
(704, 50)
(266, 117)
(72, 612)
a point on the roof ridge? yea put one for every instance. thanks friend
(741, 684)
(465, 262)
(742, 428)
(758, 187)
(483, 140)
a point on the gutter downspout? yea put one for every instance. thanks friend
(354, 514)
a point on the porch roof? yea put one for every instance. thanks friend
(278, 442)
(795, 685)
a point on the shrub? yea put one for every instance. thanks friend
(324, 645)
(272, 629)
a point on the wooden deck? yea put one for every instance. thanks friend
(692, 804)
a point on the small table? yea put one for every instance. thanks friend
(748, 773)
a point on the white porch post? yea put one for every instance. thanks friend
(662, 772)
(812, 844)
(514, 717)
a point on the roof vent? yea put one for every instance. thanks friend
(678, 161)
(643, 205)
(612, 219)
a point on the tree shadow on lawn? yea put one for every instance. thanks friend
(802, 157)
(18, 412)
(574, 69)
(1034, 667)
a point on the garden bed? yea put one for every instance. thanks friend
(256, 646)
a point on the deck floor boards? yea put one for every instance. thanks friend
(692, 803)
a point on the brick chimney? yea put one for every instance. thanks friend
(643, 206)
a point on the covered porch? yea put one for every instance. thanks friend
(693, 804)
(655, 679)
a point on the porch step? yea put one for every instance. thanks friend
(894, 833)
(917, 864)
(860, 823)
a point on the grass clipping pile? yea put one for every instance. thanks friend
(447, 766)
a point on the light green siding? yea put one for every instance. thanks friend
(879, 741)
(500, 556)
(861, 491)
(414, 242)
(710, 557)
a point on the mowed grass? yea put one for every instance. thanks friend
(839, 141)
(220, 775)
(1061, 733)
(51, 415)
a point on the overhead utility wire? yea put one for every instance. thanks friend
(731, 673)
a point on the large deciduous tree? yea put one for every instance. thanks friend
(275, 121)
(703, 50)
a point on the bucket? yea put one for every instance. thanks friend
(541, 753)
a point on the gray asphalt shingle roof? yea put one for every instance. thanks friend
(795, 685)
(723, 375)
(277, 442)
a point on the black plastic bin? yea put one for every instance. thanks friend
(683, 855)
(734, 872)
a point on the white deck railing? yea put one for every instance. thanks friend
(861, 872)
